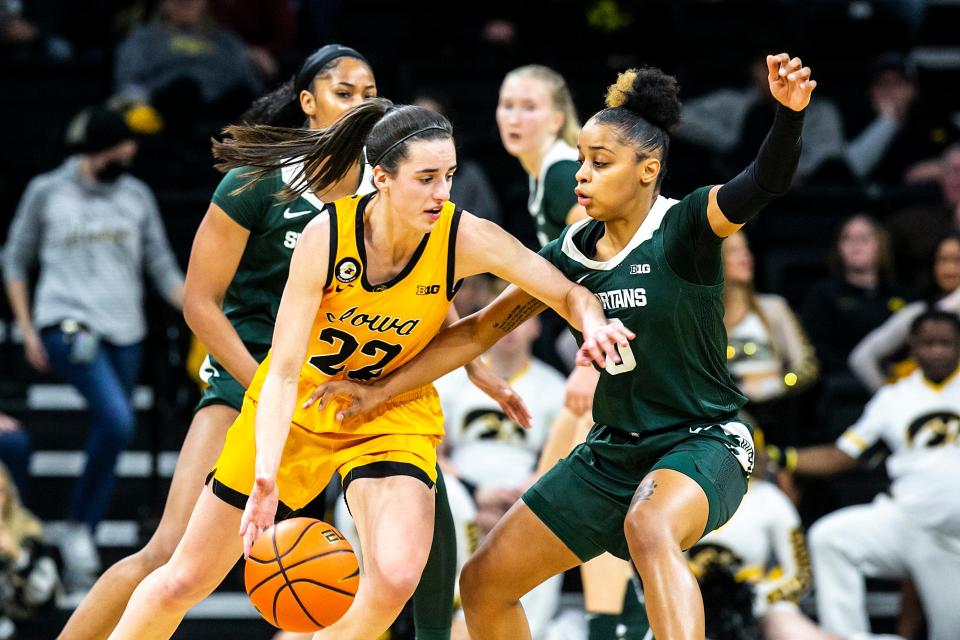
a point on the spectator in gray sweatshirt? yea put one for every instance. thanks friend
(93, 229)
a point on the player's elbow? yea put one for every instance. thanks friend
(196, 307)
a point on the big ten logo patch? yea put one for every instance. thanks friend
(636, 269)
(428, 289)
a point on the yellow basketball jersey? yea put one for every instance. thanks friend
(365, 330)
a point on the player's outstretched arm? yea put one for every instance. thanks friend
(278, 396)
(484, 247)
(768, 177)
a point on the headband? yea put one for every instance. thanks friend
(318, 60)
(404, 139)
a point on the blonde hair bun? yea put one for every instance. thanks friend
(648, 92)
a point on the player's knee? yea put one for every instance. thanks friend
(647, 537)
(396, 585)
(478, 583)
(179, 589)
(471, 582)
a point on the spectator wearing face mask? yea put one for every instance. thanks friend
(92, 229)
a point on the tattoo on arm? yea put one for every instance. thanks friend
(518, 315)
(644, 491)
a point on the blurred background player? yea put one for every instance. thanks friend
(911, 531)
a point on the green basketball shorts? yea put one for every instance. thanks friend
(585, 497)
(224, 388)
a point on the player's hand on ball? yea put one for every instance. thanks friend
(355, 398)
(499, 390)
(260, 512)
(600, 342)
(790, 81)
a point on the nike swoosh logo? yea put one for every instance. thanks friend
(290, 215)
(582, 278)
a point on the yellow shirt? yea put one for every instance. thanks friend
(365, 330)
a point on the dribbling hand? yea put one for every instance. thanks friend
(260, 512)
(790, 81)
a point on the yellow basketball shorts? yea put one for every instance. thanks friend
(309, 458)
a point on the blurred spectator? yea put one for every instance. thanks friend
(186, 65)
(732, 123)
(917, 228)
(93, 228)
(860, 295)
(913, 530)
(15, 452)
(897, 145)
(28, 573)
(768, 353)
(494, 457)
(20, 38)
(868, 359)
(763, 542)
(471, 188)
(268, 27)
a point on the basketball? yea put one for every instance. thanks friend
(301, 575)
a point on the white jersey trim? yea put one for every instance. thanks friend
(557, 152)
(650, 224)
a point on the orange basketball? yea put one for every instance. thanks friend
(301, 575)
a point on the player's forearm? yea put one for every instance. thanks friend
(824, 460)
(453, 347)
(583, 310)
(207, 320)
(274, 413)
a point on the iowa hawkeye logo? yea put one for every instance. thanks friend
(347, 270)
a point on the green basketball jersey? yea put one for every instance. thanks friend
(253, 297)
(551, 193)
(675, 371)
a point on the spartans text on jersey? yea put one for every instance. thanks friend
(622, 298)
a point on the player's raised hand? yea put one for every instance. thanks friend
(790, 81)
(260, 511)
(499, 390)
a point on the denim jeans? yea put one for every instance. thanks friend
(106, 382)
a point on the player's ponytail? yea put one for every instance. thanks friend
(644, 104)
(323, 156)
